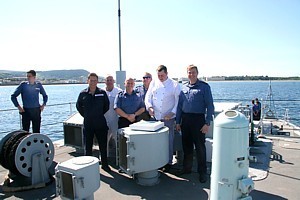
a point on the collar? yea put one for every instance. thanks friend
(96, 91)
(192, 85)
(133, 92)
(30, 83)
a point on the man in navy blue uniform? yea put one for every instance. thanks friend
(92, 104)
(128, 105)
(31, 110)
(142, 90)
(258, 108)
(195, 100)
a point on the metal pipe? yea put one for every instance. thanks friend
(119, 16)
(70, 108)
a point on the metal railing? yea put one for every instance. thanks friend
(57, 104)
(73, 103)
(50, 105)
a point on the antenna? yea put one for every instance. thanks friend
(120, 75)
(271, 110)
(119, 16)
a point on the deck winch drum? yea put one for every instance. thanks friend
(17, 149)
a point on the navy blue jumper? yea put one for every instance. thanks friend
(31, 104)
(93, 107)
(129, 103)
(195, 101)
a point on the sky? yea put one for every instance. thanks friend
(221, 37)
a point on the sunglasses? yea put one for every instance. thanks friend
(146, 77)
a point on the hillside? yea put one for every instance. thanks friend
(63, 74)
(77, 74)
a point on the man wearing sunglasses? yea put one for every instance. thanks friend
(142, 90)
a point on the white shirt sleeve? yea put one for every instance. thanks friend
(149, 95)
(176, 94)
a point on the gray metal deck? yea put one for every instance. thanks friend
(280, 179)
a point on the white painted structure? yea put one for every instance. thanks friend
(142, 152)
(78, 178)
(230, 159)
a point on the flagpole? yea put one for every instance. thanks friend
(120, 75)
(119, 16)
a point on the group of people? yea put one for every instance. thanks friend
(188, 108)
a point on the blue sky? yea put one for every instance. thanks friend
(221, 37)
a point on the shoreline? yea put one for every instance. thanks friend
(49, 84)
(291, 80)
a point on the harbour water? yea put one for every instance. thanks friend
(62, 98)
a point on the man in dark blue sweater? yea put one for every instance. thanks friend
(31, 110)
(92, 104)
(194, 113)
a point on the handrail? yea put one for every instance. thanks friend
(50, 105)
(57, 104)
(70, 103)
(294, 100)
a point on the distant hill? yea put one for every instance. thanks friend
(63, 74)
(11, 74)
(259, 78)
(74, 74)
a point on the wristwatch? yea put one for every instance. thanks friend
(207, 123)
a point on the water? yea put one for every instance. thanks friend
(235, 91)
(52, 116)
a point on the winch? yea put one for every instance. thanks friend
(28, 157)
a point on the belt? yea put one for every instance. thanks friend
(197, 114)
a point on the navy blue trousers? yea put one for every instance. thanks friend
(34, 115)
(101, 135)
(191, 135)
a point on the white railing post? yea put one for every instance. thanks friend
(71, 108)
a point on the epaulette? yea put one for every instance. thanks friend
(137, 89)
(186, 83)
(120, 93)
(84, 90)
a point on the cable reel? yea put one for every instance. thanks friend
(27, 155)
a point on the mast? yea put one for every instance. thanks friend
(119, 17)
(120, 75)
(271, 110)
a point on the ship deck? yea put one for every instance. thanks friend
(280, 177)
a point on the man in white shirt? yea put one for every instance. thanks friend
(111, 116)
(161, 102)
